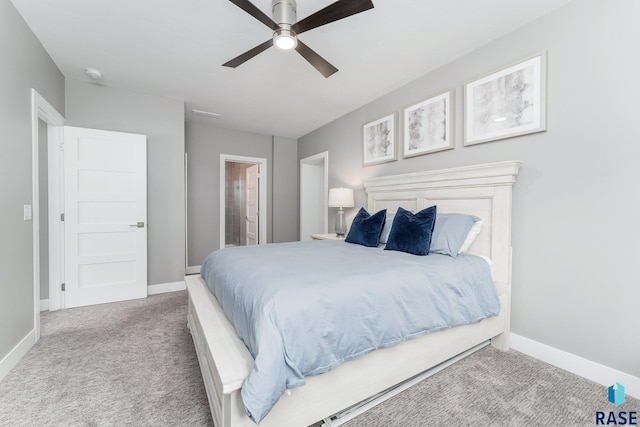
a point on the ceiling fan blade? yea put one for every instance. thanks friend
(239, 60)
(252, 10)
(320, 64)
(334, 12)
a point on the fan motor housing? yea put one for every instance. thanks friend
(284, 12)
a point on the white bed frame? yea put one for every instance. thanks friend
(482, 190)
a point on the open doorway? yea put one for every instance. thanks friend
(314, 180)
(243, 199)
(240, 204)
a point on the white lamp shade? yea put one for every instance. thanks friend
(341, 198)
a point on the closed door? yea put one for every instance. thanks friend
(252, 213)
(105, 216)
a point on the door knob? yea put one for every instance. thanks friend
(139, 225)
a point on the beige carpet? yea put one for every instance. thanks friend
(122, 364)
(133, 364)
(494, 388)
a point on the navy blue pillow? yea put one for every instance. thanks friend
(365, 229)
(412, 233)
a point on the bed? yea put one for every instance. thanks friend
(481, 190)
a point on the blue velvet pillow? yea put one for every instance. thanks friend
(365, 229)
(411, 233)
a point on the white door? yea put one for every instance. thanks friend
(105, 185)
(253, 176)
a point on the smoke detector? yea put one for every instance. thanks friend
(93, 73)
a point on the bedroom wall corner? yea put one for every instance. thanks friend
(25, 65)
(162, 120)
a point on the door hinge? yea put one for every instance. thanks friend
(62, 286)
(62, 217)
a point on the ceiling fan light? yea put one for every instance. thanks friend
(284, 39)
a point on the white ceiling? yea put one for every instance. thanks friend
(175, 49)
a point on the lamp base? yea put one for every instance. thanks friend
(341, 225)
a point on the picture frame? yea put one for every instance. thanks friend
(506, 103)
(428, 125)
(379, 141)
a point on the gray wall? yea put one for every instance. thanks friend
(25, 65)
(575, 274)
(162, 120)
(285, 183)
(205, 142)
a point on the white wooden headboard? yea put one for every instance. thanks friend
(482, 190)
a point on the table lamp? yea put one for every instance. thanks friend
(341, 198)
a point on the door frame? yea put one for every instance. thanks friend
(42, 110)
(315, 160)
(245, 190)
(262, 194)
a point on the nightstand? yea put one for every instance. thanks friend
(328, 236)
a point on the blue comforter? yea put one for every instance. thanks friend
(303, 308)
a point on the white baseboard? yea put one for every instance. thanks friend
(593, 371)
(13, 357)
(162, 288)
(44, 305)
(194, 269)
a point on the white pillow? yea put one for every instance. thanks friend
(471, 236)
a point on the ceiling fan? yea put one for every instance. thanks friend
(286, 29)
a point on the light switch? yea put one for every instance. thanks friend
(28, 214)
